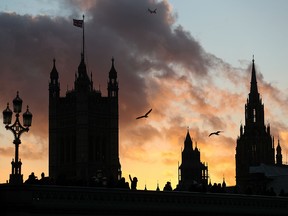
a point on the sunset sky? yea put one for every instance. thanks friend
(190, 62)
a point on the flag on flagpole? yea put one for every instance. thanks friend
(78, 23)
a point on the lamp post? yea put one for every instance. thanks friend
(17, 129)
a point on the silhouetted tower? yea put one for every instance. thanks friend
(113, 83)
(278, 154)
(83, 129)
(254, 145)
(54, 85)
(223, 184)
(191, 172)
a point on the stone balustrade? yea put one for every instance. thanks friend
(53, 200)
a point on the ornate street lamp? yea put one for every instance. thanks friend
(17, 129)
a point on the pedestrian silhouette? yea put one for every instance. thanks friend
(168, 187)
(32, 179)
(133, 182)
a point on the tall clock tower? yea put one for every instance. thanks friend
(255, 144)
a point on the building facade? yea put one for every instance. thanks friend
(255, 145)
(83, 129)
(192, 172)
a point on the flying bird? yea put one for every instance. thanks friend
(215, 133)
(152, 11)
(144, 116)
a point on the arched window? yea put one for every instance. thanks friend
(254, 115)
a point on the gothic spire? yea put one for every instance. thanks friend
(54, 85)
(188, 144)
(253, 84)
(113, 83)
(278, 154)
(54, 72)
(278, 146)
(112, 73)
(254, 109)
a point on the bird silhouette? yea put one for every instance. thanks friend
(152, 11)
(144, 116)
(215, 133)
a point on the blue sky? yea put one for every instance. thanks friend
(236, 30)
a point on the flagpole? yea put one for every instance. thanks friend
(83, 39)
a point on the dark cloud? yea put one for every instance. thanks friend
(140, 43)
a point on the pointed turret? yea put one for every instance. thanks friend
(254, 114)
(82, 82)
(223, 184)
(191, 170)
(113, 83)
(54, 73)
(82, 72)
(112, 72)
(54, 85)
(278, 154)
(253, 84)
(188, 144)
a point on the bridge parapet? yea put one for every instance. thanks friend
(48, 200)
